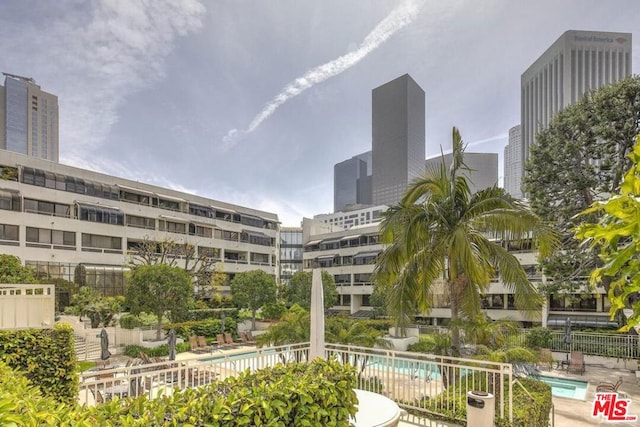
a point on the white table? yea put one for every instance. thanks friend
(376, 410)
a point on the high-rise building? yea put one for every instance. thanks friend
(513, 168)
(482, 172)
(29, 118)
(351, 182)
(577, 62)
(398, 138)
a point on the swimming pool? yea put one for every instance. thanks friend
(563, 387)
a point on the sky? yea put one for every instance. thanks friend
(253, 102)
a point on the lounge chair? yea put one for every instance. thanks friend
(221, 341)
(193, 344)
(228, 339)
(203, 345)
(250, 337)
(607, 387)
(576, 363)
(245, 339)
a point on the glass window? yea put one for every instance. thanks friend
(8, 232)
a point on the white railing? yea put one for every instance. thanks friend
(606, 345)
(414, 380)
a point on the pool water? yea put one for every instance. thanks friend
(562, 387)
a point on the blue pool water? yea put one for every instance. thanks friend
(562, 387)
(418, 369)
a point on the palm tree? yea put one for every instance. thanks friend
(440, 233)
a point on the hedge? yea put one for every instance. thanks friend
(46, 357)
(320, 393)
(207, 328)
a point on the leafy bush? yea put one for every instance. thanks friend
(539, 338)
(130, 321)
(274, 310)
(207, 328)
(46, 357)
(159, 351)
(308, 394)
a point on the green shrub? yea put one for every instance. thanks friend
(539, 338)
(274, 310)
(319, 393)
(207, 328)
(159, 351)
(46, 357)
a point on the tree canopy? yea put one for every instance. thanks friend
(616, 237)
(12, 271)
(100, 310)
(159, 289)
(253, 289)
(298, 290)
(442, 236)
(579, 158)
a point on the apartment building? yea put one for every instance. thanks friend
(81, 225)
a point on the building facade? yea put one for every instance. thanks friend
(290, 252)
(482, 173)
(398, 138)
(579, 61)
(357, 215)
(513, 167)
(29, 118)
(82, 226)
(352, 182)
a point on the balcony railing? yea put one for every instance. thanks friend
(412, 380)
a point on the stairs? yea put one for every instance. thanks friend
(86, 350)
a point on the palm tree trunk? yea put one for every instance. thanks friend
(455, 331)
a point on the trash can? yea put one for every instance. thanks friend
(481, 409)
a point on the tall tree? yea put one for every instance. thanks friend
(252, 290)
(12, 271)
(199, 266)
(616, 238)
(159, 289)
(441, 233)
(298, 290)
(579, 158)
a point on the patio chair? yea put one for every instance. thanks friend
(250, 337)
(203, 345)
(221, 341)
(608, 387)
(193, 344)
(228, 339)
(245, 339)
(576, 363)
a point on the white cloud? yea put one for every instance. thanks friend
(97, 54)
(400, 17)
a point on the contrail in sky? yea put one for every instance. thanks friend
(399, 18)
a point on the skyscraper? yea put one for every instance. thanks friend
(398, 138)
(352, 182)
(513, 168)
(29, 118)
(577, 62)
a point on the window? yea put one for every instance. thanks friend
(141, 222)
(10, 200)
(8, 232)
(46, 236)
(46, 208)
(198, 230)
(208, 252)
(100, 214)
(173, 227)
(102, 242)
